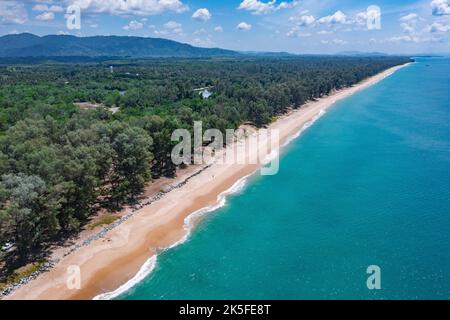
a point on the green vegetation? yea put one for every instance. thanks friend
(60, 164)
(18, 275)
(104, 221)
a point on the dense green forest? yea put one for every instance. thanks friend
(59, 163)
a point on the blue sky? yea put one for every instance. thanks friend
(303, 26)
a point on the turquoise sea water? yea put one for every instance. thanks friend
(367, 184)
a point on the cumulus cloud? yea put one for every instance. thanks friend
(296, 32)
(361, 18)
(244, 26)
(337, 18)
(48, 12)
(44, 7)
(409, 23)
(303, 20)
(134, 25)
(202, 14)
(218, 29)
(409, 17)
(171, 27)
(440, 7)
(206, 42)
(259, 7)
(438, 27)
(46, 16)
(13, 12)
(130, 7)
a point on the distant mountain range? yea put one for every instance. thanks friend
(29, 45)
(26, 45)
(359, 53)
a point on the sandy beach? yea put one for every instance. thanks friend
(108, 263)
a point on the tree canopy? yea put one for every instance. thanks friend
(59, 163)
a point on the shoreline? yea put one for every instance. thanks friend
(129, 251)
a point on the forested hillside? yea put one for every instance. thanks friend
(60, 163)
(30, 45)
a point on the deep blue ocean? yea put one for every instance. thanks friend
(367, 184)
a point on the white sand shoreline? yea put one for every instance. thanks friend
(107, 265)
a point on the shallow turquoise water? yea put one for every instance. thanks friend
(367, 184)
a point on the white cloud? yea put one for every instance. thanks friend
(321, 32)
(134, 25)
(409, 23)
(171, 27)
(407, 28)
(409, 17)
(218, 29)
(40, 7)
(259, 7)
(339, 41)
(303, 21)
(244, 26)
(202, 14)
(200, 31)
(46, 16)
(44, 7)
(334, 41)
(12, 12)
(207, 42)
(297, 32)
(397, 39)
(131, 7)
(361, 19)
(438, 27)
(440, 7)
(56, 8)
(337, 18)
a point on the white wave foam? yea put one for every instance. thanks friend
(305, 126)
(189, 224)
(143, 272)
(189, 221)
